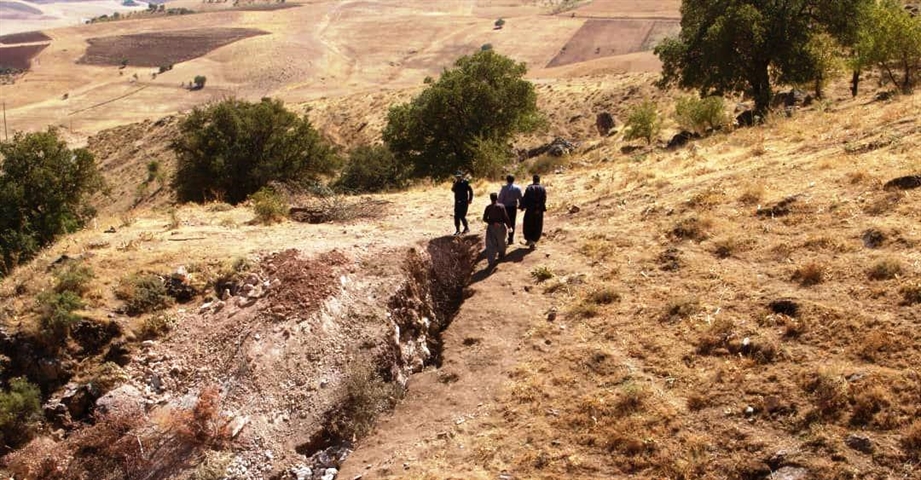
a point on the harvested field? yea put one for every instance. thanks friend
(24, 37)
(630, 8)
(20, 56)
(600, 38)
(162, 48)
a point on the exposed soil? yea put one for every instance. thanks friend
(162, 48)
(23, 37)
(600, 38)
(20, 56)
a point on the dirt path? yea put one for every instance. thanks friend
(479, 351)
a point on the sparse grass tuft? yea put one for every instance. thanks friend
(73, 277)
(911, 440)
(911, 294)
(603, 296)
(366, 395)
(547, 163)
(542, 273)
(691, 228)
(583, 309)
(631, 399)
(810, 274)
(681, 308)
(829, 390)
(885, 269)
(156, 326)
(752, 194)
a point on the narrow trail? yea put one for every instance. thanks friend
(481, 346)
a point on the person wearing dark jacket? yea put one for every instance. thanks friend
(510, 196)
(463, 197)
(534, 204)
(497, 223)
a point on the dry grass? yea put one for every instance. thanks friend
(885, 269)
(809, 275)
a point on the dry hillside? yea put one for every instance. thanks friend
(743, 307)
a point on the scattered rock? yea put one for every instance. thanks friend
(124, 398)
(789, 473)
(859, 442)
(574, 209)
(907, 182)
(551, 314)
(681, 139)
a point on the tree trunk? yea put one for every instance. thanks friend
(818, 88)
(761, 90)
(855, 82)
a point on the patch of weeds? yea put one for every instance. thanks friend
(228, 223)
(911, 440)
(583, 309)
(603, 296)
(269, 206)
(883, 204)
(142, 293)
(213, 467)
(106, 376)
(73, 277)
(829, 390)
(752, 194)
(631, 399)
(670, 259)
(366, 395)
(691, 228)
(885, 269)
(598, 248)
(156, 326)
(57, 315)
(873, 238)
(809, 274)
(793, 327)
(547, 163)
(708, 198)
(174, 220)
(911, 294)
(725, 248)
(20, 412)
(219, 207)
(716, 336)
(867, 402)
(542, 273)
(681, 308)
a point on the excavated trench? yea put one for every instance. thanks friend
(432, 293)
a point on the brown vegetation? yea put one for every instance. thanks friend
(161, 48)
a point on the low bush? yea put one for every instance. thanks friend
(643, 122)
(681, 307)
(885, 270)
(366, 395)
(57, 315)
(156, 326)
(142, 293)
(269, 206)
(809, 274)
(546, 164)
(20, 411)
(603, 296)
(371, 169)
(74, 277)
(542, 273)
(701, 115)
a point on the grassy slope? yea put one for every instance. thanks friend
(627, 388)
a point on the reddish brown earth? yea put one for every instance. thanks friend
(599, 38)
(162, 48)
(24, 37)
(20, 56)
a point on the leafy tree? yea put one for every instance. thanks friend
(199, 82)
(744, 45)
(500, 23)
(643, 122)
(891, 39)
(483, 97)
(372, 169)
(20, 410)
(44, 192)
(229, 150)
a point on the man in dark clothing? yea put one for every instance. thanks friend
(497, 222)
(534, 204)
(510, 196)
(463, 197)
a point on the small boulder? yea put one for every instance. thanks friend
(789, 473)
(859, 442)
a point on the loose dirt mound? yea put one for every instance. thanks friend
(161, 48)
(19, 57)
(308, 282)
(24, 37)
(600, 38)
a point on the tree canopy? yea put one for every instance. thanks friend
(44, 192)
(482, 99)
(748, 45)
(231, 149)
(891, 40)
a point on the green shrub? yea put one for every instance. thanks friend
(142, 293)
(20, 411)
(885, 269)
(371, 169)
(891, 39)
(542, 273)
(74, 277)
(490, 157)
(643, 122)
(199, 82)
(229, 150)
(547, 163)
(44, 192)
(57, 314)
(700, 115)
(156, 326)
(269, 206)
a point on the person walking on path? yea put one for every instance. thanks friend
(463, 197)
(534, 204)
(497, 223)
(510, 196)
